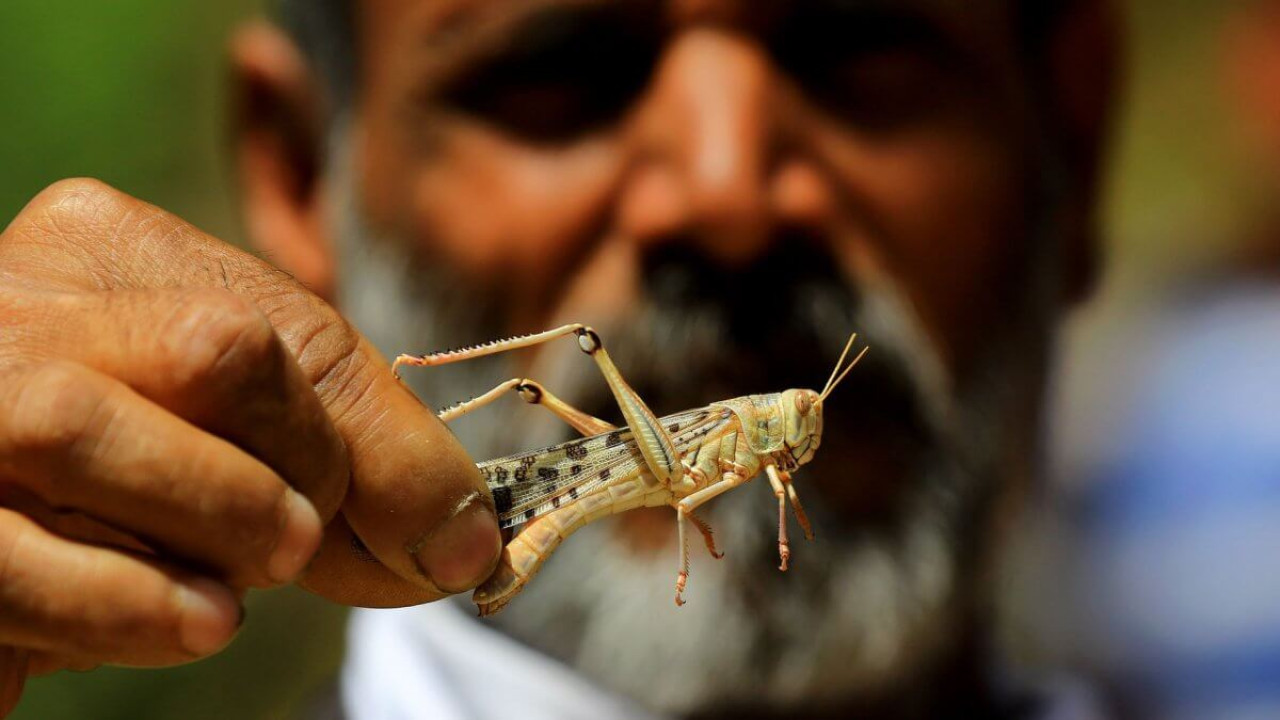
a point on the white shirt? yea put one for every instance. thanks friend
(433, 661)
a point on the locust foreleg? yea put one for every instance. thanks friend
(780, 481)
(775, 480)
(801, 518)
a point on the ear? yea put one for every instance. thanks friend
(1083, 64)
(279, 153)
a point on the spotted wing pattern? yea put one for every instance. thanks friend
(533, 483)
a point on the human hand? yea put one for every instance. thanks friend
(179, 421)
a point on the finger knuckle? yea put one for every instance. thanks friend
(67, 235)
(88, 607)
(144, 619)
(255, 531)
(330, 354)
(54, 614)
(72, 196)
(322, 339)
(336, 366)
(68, 204)
(327, 349)
(76, 187)
(217, 336)
(52, 410)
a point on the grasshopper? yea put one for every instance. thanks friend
(681, 460)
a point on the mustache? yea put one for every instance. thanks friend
(703, 332)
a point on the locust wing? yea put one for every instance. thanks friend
(533, 483)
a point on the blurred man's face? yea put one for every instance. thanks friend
(725, 189)
(550, 153)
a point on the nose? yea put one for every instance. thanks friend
(707, 143)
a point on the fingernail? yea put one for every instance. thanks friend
(210, 615)
(460, 554)
(299, 539)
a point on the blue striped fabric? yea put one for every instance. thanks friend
(1181, 533)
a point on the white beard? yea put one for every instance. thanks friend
(859, 610)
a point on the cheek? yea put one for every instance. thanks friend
(956, 210)
(943, 215)
(503, 212)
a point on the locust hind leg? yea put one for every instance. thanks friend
(490, 348)
(453, 412)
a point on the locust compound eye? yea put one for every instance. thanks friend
(802, 403)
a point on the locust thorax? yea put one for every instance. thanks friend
(802, 411)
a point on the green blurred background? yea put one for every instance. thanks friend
(133, 92)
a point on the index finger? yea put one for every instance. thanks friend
(415, 500)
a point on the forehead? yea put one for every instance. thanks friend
(439, 24)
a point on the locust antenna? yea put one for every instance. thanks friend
(839, 362)
(827, 392)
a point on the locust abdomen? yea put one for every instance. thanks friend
(534, 543)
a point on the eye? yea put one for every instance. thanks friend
(881, 69)
(803, 404)
(563, 77)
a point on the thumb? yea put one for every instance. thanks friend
(416, 499)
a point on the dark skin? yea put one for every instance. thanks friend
(258, 402)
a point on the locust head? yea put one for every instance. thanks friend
(803, 412)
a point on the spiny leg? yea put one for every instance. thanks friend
(682, 577)
(496, 346)
(731, 479)
(784, 547)
(453, 412)
(652, 439)
(707, 536)
(655, 444)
